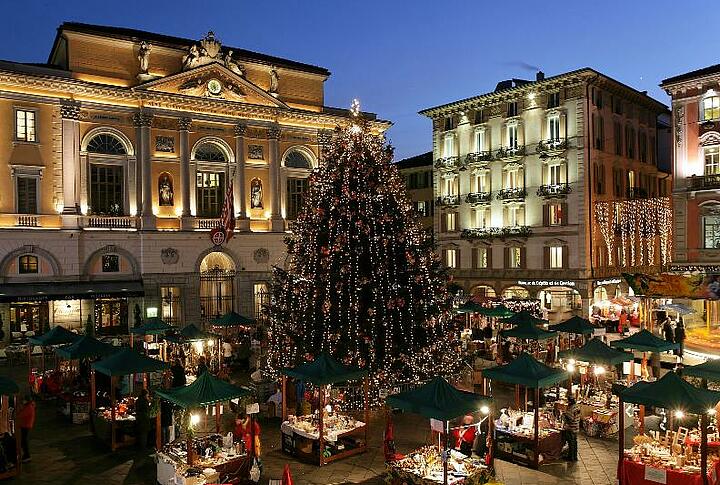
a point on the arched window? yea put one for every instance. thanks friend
(106, 144)
(710, 107)
(210, 152)
(297, 159)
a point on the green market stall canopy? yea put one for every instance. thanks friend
(470, 307)
(527, 372)
(8, 387)
(206, 390)
(127, 361)
(595, 351)
(437, 399)
(524, 317)
(86, 347)
(152, 326)
(325, 370)
(709, 370)
(576, 325)
(671, 392)
(191, 333)
(232, 319)
(528, 332)
(499, 311)
(57, 336)
(644, 341)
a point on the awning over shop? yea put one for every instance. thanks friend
(69, 290)
(325, 370)
(644, 341)
(576, 325)
(671, 392)
(206, 390)
(597, 352)
(527, 372)
(438, 400)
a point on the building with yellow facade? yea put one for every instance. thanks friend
(116, 157)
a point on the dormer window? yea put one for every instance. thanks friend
(710, 107)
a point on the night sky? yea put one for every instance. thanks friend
(398, 56)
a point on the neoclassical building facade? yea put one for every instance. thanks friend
(116, 157)
(549, 188)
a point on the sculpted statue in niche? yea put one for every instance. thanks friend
(231, 64)
(274, 81)
(165, 190)
(256, 194)
(144, 57)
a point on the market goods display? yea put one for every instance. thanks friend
(124, 410)
(334, 426)
(424, 466)
(217, 458)
(515, 437)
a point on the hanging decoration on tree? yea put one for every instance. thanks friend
(362, 282)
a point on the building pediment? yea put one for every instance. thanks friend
(213, 81)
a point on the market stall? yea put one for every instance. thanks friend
(438, 400)
(326, 434)
(527, 438)
(192, 343)
(41, 379)
(115, 423)
(150, 332)
(74, 397)
(219, 459)
(531, 334)
(9, 434)
(576, 328)
(680, 456)
(596, 363)
(644, 341)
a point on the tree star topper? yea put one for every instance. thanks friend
(355, 108)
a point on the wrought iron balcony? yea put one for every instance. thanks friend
(703, 182)
(554, 190)
(552, 145)
(510, 152)
(512, 193)
(486, 233)
(448, 163)
(478, 157)
(636, 193)
(478, 197)
(448, 201)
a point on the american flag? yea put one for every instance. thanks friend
(227, 217)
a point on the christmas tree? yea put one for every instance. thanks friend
(362, 281)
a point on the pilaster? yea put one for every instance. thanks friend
(276, 221)
(143, 123)
(243, 222)
(70, 113)
(184, 125)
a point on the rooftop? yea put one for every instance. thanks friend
(422, 160)
(705, 71)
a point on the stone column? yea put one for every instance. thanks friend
(143, 121)
(243, 222)
(277, 224)
(184, 125)
(70, 114)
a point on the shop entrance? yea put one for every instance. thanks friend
(217, 286)
(111, 316)
(560, 302)
(29, 317)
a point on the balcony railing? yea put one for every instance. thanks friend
(207, 223)
(512, 193)
(552, 145)
(478, 157)
(448, 201)
(448, 163)
(510, 152)
(478, 197)
(109, 222)
(553, 190)
(703, 182)
(636, 193)
(487, 233)
(25, 220)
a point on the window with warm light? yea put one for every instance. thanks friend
(480, 258)
(711, 230)
(451, 258)
(712, 160)
(480, 141)
(449, 146)
(107, 194)
(261, 297)
(170, 296)
(554, 174)
(710, 108)
(481, 184)
(556, 257)
(209, 193)
(555, 214)
(482, 218)
(296, 189)
(450, 186)
(554, 128)
(515, 257)
(27, 264)
(25, 125)
(512, 136)
(450, 221)
(512, 178)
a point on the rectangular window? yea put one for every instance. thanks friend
(209, 193)
(711, 229)
(555, 214)
(514, 257)
(449, 146)
(261, 298)
(479, 116)
(451, 258)
(480, 141)
(556, 257)
(629, 142)
(712, 160)
(170, 296)
(423, 208)
(554, 128)
(515, 215)
(106, 190)
(553, 100)
(481, 184)
(642, 147)
(617, 136)
(599, 132)
(296, 189)
(110, 263)
(711, 108)
(481, 258)
(512, 136)
(597, 98)
(512, 178)
(450, 221)
(27, 264)
(450, 187)
(554, 174)
(449, 123)
(512, 108)
(481, 217)
(616, 105)
(27, 195)
(25, 125)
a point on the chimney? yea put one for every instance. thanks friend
(540, 76)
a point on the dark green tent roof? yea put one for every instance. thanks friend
(191, 333)
(232, 319)
(57, 336)
(527, 372)
(152, 326)
(207, 389)
(84, 348)
(644, 341)
(671, 392)
(575, 325)
(708, 370)
(524, 317)
(437, 399)
(596, 351)
(127, 361)
(499, 311)
(8, 387)
(528, 332)
(325, 370)
(470, 307)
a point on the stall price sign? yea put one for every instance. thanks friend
(253, 408)
(657, 475)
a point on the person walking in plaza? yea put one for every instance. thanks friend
(667, 330)
(26, 421)
(571, 428)
(142, 418)
(178, 374)
(680, 337)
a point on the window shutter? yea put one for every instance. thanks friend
(564, 214)
(546, 215)
(443, 222)
(489, 251)
(506, 258)
(523, 262)
(565, 255)
(546, 257)
(458, 260)
(475, 257)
